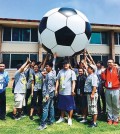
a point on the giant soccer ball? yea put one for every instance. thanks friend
(64, 31)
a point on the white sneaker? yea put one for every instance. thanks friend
(70, 122)
(60, 120)
(83, 121)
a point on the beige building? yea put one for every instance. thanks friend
(19, 40)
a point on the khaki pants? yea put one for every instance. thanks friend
(92, 104)
(112, 104)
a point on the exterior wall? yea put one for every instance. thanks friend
(19, 47)
(117, 50)
(98, 49)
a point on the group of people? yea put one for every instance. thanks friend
(78, 90)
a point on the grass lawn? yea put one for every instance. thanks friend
(26, 126)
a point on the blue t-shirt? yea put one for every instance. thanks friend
(4, 79)
(49, 83)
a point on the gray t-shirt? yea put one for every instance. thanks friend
(91, 81)
(38, 81)
(49, 83)
(20, 82)
(65, 78)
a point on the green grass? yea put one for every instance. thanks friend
(26, 126)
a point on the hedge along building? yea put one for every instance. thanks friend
(19, 40)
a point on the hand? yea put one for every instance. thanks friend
(55, 55)
(31, 94)
(47, 97)
(92, 96)
(56, 93)
(73, 93)
(28, 60)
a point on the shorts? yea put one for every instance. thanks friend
(66, 102)
(92, 104)
(19, 100)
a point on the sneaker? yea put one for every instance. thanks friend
(109, 122)
(49, 123)
(42, 127)
(60, 120)
(23, 115)
(115, 123)
(81, 117)
(93, 125)
(83, 121)
(70, 122)
(31, 118)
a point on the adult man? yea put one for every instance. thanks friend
(20, 89)
(4, 79)
(66, 83)
(90, 89)
(111, 77)
(48, 96)
(101, 92)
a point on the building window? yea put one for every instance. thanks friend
(34, 35)
(20, 34)
(117, 59)
(103, 58)
(7, 34)
(6, 60)
(99, 38)
(18, 59)
(12, 60)
(33, 57)
(117, 38)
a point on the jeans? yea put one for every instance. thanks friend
(48, 110)
(112, 103)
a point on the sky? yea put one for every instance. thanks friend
(97, 11)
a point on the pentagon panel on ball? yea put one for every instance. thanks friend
(65, 31)
(88, 30)
(67, 11)
(64, 36)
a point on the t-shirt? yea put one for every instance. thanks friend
(49, 83)
(29, 74)
(65, 78)
(20, 82)
(38, 81)
(4, 79)
(80, 84)
(91, 81)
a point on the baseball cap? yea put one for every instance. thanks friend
(92, 66)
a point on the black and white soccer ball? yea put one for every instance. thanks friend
(64, 31)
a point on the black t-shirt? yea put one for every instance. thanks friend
(80, 83)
